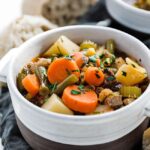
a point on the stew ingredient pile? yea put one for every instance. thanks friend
(142, 4)
(82, 80)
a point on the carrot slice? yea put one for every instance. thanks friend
(94, 76)
(61, 68)
(98, 62)
(84, 102)
(31, 84)
(80, 59)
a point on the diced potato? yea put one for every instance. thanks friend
(63, 46)
(128, 75)
(119, 62)
(55, 104)
(135, 65)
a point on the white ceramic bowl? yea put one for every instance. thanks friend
(126, 14)
(76, 130)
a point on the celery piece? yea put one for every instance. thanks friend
(130, 91)
(72, 79)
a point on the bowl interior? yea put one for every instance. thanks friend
(129, 4)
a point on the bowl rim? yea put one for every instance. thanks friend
(12, 85)
(132, 8)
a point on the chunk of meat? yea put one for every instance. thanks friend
(114, 101)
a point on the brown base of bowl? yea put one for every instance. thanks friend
(132, 141)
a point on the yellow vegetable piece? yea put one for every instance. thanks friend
(90, 52)
(63, 46)
(88, 44)
(128, 75)
(55, 104)
(135, 65)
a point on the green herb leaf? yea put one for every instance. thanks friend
(133, 65)
(110, 78)
(76, 70)
(92, 59)
(97, 75)
(81, 87)
(124, 73)
(52, 87)
(75, 92)
(68, 72)
(101, 56)
(113, 58)
(68, 57)
(101, 65)
(59, 50)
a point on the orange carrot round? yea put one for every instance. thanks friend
(94, 76)
(61, 68)
(80, 59)
(31, 84)
(84, 102)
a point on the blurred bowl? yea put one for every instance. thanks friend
(128, 15)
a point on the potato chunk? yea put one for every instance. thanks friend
(55, 104)
(135, 65)
(128, 75)
(119, 62)
(63, 46)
